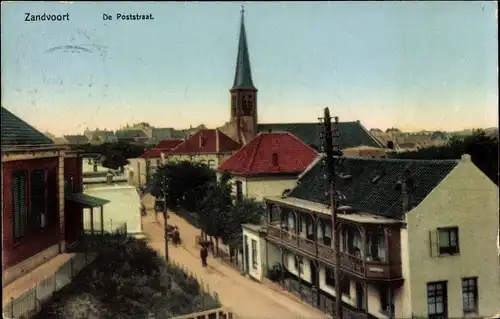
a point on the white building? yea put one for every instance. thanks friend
(418, 239)
(124, 207)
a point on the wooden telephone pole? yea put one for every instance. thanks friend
(332, 149)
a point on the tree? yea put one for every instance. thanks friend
(185, 183)
(246, 211)
(482, 148)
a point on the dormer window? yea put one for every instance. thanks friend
(275, 159)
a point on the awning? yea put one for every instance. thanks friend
(86, 200)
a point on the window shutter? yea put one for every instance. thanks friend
(52, 190)
(20, 209)
(433, 243)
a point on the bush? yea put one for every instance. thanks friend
(130, 282)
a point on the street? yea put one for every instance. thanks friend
(247, 299)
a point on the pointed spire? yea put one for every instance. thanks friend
(243, 74)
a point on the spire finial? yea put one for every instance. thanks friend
(242, 11)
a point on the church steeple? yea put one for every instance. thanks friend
(243, 74)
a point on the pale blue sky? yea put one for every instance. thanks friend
(414, 65)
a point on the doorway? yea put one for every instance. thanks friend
(360, 297)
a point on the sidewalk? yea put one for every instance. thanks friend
(247, 299)
(28, 281)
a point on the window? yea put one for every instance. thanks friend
(239, 191)
(158, 163)
(448, 241)
(19, 204)
(69, 185)
(469, 295)
(37, 201)
(254, 254)
(385, 293)
(437, 300)
(299, 264)
(330, 276)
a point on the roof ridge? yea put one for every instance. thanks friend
(254, 154)
(302, 142)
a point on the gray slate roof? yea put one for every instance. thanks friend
(352, 134)
(17, 132)
(243, 73)
(364, 192)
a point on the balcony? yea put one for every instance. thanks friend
(364, 268)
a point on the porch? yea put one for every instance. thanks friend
(74, 222)
(369, 247)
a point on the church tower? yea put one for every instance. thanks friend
(243, 93)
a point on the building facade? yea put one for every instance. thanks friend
(409, 245)
(207, 146)
(268, 165)
(38, 218)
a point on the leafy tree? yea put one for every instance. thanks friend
(248, 210)
(115, 161)
(482, 148)
(184, 184)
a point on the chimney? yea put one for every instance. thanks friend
(466, 158)
(217, 145)
(275, 159)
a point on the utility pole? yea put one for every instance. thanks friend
(165, 217)
(332, 149)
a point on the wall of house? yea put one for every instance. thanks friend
(34, 248)
(468, 199)
(213, 160)
(402, 296)
(259, 187)
(256, 271)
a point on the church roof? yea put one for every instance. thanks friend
(243, 74)
(352, 134)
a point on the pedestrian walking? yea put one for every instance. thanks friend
(204, 255)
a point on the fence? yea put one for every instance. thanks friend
(29, 302)
(91, 245)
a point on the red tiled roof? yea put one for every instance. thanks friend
(169, 144)
(292, 156)
(205, 141)
(162, 147)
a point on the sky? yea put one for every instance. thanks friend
(411, 65)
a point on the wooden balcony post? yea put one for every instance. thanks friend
(387, 232)
(363, 248)
(297, 227)
(282, 267)
(92, 221)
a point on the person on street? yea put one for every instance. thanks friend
(176, 236)
(204, 255)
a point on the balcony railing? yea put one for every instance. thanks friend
(352, 314)
(364, 268)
